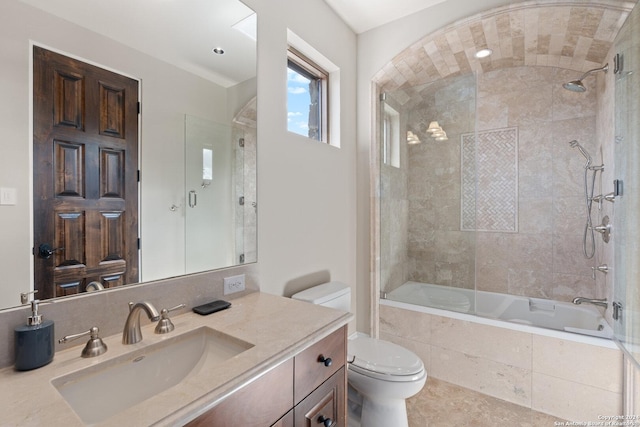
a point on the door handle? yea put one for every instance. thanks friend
(193, 199)
(45, 250)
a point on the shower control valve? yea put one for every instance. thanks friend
(604, 229)
(604, 268)
(611, 197)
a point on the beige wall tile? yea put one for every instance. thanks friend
(579, 363)
(545, 167)
(500, 345)
(491, 278)
(455, 44)
(568, 257)
(572, 401)
(567, 212)
(535, 215)
(530, 283)
(575, 37)
(568, 286)
(407, 324)
(496, 379)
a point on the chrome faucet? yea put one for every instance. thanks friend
(132, 333)
(600, 302)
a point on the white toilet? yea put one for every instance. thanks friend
(381, 374)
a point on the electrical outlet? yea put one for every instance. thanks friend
(8, 196)
(233, 284)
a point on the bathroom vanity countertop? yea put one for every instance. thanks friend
(278, 327)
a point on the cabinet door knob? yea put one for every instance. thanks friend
(325, 421)
(325, 360)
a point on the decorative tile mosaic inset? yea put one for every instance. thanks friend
(493, 206)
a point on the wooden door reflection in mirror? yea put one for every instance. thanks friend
(85, 161)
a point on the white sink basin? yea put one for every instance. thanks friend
(100, 391)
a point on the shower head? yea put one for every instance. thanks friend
(577, 85)
(576, 144)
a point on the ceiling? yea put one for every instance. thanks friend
(363, 15)
(574, 35)
(182, 33)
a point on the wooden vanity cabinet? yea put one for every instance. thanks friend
(259, 403)
(286, 421)
(326, 405)
(317, 363)
(307, 390)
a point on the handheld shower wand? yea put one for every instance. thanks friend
(576, 144)
(588, 195)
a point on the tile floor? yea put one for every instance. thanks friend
(441, 404)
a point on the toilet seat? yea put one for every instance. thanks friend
(384, 360)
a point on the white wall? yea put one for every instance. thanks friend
(306, 189)
(15, 245)
(376, 48)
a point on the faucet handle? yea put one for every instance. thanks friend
(165, 325)
(603, 268)
(95, 346)
(24, 296)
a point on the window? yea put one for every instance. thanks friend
(307, 97)
(390, 136)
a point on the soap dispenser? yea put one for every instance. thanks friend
(34, 342)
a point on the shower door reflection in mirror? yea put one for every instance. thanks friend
(220, 194)
(209, 176)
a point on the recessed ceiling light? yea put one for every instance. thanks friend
(218, 50)
(483, 53)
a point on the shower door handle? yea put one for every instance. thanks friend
(193, 199)
(617, 310)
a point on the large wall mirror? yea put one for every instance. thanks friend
(193, 63)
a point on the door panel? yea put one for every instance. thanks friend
(85, 176)
(69, 178)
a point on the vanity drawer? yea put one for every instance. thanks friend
(310, 365)
(326, 404)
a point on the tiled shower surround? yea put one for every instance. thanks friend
(537, 46)
(541, 255)
(420, 210)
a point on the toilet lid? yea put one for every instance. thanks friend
(382, 357)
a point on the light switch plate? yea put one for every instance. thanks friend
(233, 284)
(8, 196)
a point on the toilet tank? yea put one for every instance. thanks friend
(332, 294)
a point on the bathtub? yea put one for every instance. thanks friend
(516, 310)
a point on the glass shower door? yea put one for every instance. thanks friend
(427, 253)
(626, 224)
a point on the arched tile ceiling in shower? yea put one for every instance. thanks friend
(575, 35)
